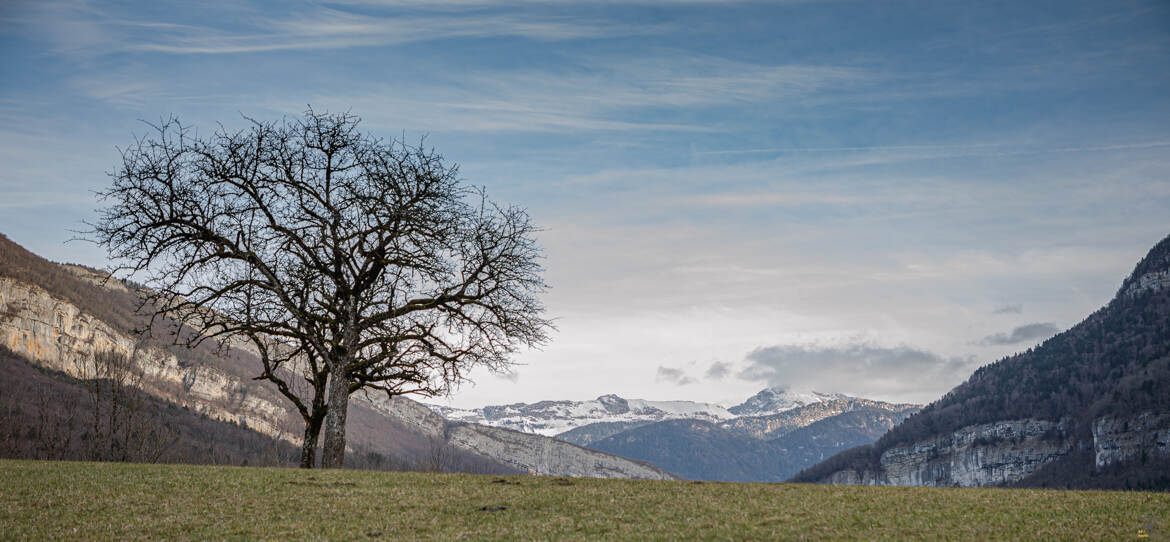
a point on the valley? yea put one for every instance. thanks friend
(1080, 410)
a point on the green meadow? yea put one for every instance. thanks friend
(87, 501)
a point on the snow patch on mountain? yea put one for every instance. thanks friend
(551, 418)
(555, 417)
(780, 399)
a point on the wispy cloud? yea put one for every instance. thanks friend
(591, 95)
(334, 29)
(500, 3)
(674, 376)
(858, 368)
(718, 370)
(1009, 309)
(80, 28)
(1022, 334)
(921, 152)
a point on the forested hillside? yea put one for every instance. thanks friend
(1115, 365)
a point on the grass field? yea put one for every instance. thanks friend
(40, 500)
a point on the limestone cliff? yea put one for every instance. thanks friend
(1007, 452)
(1116, 440)
(979, 455)
(59, 336)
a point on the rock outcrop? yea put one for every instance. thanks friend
(59, 336)
(1118, 440)
(975, 456)
(1007, 452)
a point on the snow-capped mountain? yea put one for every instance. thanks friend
(779, 399)
(555, 417)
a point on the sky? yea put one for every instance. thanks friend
(871, 198)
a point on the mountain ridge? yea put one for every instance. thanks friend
(702, 450)
(556, 417)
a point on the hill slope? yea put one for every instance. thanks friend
(59, 316)
(49, 415)
(1086, 408)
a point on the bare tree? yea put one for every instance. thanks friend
(347, 261)
(54, 427)
(122, 426)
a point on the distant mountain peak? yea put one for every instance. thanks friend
(614, 404)
(778, 399)
(554, 417)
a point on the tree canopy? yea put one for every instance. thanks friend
(345, 260)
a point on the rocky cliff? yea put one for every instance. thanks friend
(1004, 453)
(58, 335)
(1118, 440)
(979, 455)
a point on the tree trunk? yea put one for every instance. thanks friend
(309, 444)
(333, 454)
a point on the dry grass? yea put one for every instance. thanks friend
(62, 500)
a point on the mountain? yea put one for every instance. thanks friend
(526, 452)
(773, 426)
(1087, 408)
(807, 445)
(588, 434)
(555, 417)
(725, 451)
(56, 319)
(780, 399)
(702, 440)
(607, 413)
(696, 450)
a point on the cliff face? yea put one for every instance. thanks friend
(980, 455)
(58, 335)
(1116, 440)
(1007, 452)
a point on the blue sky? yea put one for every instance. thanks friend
(865, 197)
